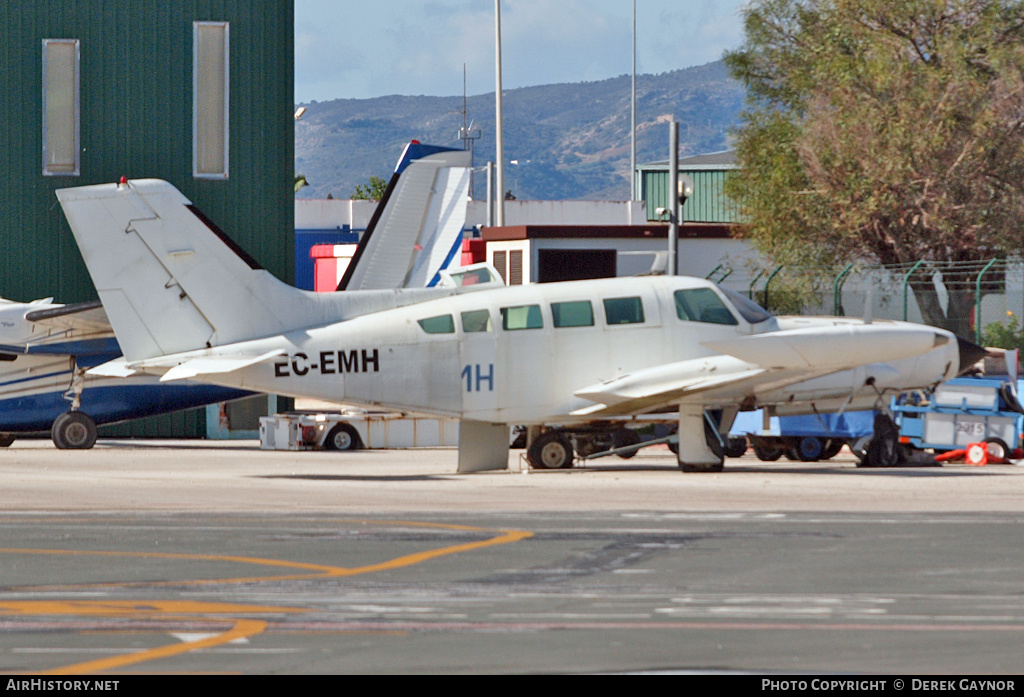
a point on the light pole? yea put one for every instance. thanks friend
(680, 188)
(632, 120)
(499, 147)
(673, 200)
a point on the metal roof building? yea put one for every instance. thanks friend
(199, 93)
(708, 204)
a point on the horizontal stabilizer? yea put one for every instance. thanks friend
(117, 368)
(215, 365)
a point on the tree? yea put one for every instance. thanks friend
(373, 191)
(887, 131)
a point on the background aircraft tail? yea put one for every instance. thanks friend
(417, 227)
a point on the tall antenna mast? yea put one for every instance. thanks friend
(468, 135)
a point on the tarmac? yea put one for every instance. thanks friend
(218, 558)
(236, 476)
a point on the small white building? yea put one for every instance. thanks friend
(542, 241)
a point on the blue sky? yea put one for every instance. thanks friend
(356, 49)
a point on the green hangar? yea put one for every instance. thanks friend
(197, 92)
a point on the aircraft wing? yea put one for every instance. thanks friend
(76, 329)
(87, 318)
(758, 363)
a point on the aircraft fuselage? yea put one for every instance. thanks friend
(519, 354)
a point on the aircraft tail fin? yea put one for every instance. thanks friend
(416, 229)
(169, 279)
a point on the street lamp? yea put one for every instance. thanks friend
(680, 188)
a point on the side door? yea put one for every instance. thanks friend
(480, 382)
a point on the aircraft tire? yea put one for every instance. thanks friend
(625, 437)
(832, 448)
(6, 439)
(767, 453)
(884, 450)
(550, 451)
(342, 437)
(73, 430)
(736, 447)
(702, 466)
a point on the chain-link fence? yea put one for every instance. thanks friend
(980, 300)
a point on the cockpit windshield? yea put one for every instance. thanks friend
(751, 311)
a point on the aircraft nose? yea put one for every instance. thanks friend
(970, 353)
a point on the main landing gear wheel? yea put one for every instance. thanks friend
(342, 437)
(832, 448)
(6, 439)
(550, 451)
(625, 437)
(73, 430)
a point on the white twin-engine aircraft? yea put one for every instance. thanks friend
(560, 356)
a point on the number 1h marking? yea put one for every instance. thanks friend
(471, 371)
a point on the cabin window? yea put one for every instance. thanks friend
(476, 321)
(61, 108)
(438, 325)
(210, 99)
(702, 305)
(623, 311)
(573, 314)
(522, 317)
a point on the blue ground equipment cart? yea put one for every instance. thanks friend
(807, 438)
(962, 411)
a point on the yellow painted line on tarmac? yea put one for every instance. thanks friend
(162, 610)
(317, 570)
(174, 610)
(241, 630)
(147, 609)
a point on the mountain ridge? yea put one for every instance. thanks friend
(571, 140)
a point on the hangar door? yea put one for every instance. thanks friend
(575, 264)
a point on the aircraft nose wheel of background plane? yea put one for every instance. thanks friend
(73, 430)
(884, 449)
